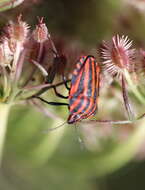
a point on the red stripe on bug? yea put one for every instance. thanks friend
(83, 95)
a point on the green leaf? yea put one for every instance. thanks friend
(9, 4)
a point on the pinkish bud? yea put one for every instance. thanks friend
(40, 33)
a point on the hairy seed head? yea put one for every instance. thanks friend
(117, 55)
(18, 31)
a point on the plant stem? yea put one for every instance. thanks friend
(134, 88)
(4, 112)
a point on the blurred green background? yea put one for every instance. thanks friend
(36, 159)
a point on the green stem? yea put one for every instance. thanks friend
(134, 88)
(4, 112)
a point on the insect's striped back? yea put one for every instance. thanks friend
(84, 89)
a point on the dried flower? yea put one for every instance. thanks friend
(118, 56)
(24, 62)
(13, 40)
(117, 59)
(17, 32)
(6, 55)
(40, 34)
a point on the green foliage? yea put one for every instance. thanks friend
(9, 4)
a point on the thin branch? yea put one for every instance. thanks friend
(128, 108)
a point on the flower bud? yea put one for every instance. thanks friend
(40, 33)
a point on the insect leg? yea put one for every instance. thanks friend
(51, 103)
(58, 94)
(65, 82)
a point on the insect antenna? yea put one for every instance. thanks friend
(55, 128)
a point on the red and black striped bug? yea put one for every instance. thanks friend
(83, 92)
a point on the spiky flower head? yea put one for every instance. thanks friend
(117, 55)
(18, 31)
